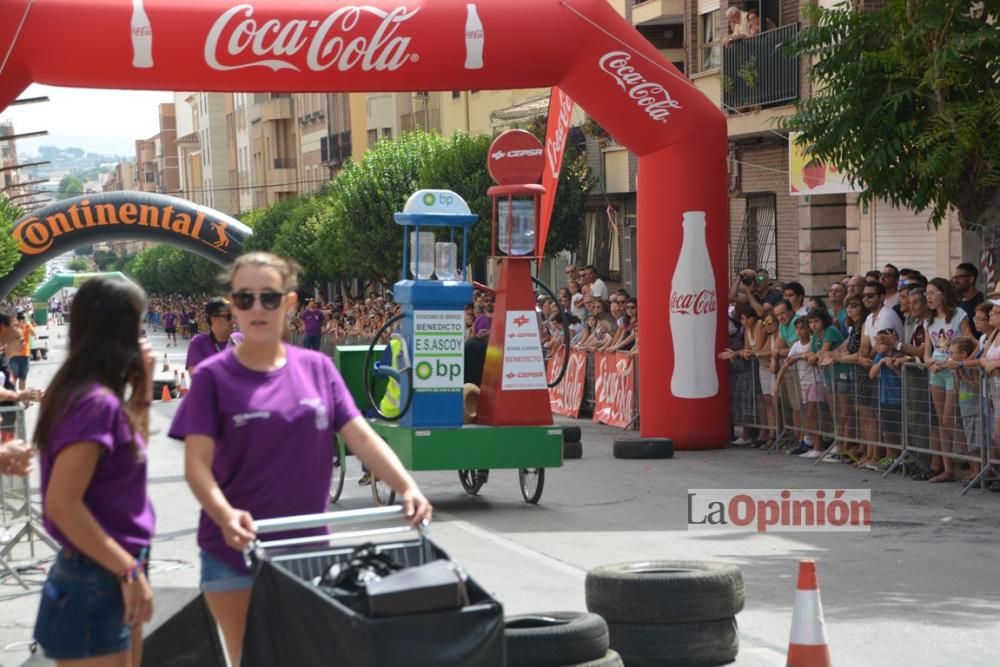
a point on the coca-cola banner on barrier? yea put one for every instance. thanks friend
(616, 75)
(614, 388)
(567, 396)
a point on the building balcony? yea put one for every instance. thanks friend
(757, 73)
(282, 174)
(646, 11)
(276, 108)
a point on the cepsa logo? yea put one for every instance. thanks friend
(35, 235)
(342, 41)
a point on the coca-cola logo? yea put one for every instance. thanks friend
(554, 145)
(701, 303)
(341, 41)
(651, 97)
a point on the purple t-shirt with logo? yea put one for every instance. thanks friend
(204, 346)
(313, 321)
(116, 495)
(168, 320)
(273, 435)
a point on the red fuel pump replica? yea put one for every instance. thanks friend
(422, 415)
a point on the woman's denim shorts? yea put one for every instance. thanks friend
(81, 614)
(220, 577)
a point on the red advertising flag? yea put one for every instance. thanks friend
(567, 396)
(614, 388)
(560, 115)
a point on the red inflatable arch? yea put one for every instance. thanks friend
(584, 46)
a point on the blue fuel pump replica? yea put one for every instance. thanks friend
(424, 361)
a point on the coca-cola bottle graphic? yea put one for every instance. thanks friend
(694, 315)
(142, 37)
(474, 39)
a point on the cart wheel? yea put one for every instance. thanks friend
(337, 483)
(473, 480)
(532, 482)
(382, 493)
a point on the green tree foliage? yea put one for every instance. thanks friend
(30, 283)
(907, 102)
(9, 253)
(70, 186)
(357, 235)
(104, 259)
(78, 264)
(166, 269)
(84, 250)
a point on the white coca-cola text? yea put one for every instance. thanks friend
(693, 304)
(554, 146)
(651, 97)
(237, 41)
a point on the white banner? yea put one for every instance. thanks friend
(438, 350)
(523, 363)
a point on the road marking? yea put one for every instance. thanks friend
(516, 547)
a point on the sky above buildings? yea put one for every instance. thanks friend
(102, 121)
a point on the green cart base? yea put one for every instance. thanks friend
(473, 451)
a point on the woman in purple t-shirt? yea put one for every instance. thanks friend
(92, 446)
(258, 424)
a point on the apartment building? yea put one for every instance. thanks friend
(9, 177)
(122, 178)
(202, 149)
(325, 133)
(809, 238)
(145, 165)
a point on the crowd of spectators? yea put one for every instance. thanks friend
(848, 353)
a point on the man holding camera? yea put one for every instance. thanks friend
(755, 288)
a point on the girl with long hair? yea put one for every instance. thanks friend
(946, 322)
(852, 380)
(91, 436)
(257, 426)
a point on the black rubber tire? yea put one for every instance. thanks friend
(676, 644)
(610, 659)
(665, 591)
(643, 448)
(554, 638)
(571, 434)
(572, 450)
(524, 475)
(382, 493)
(472, 480)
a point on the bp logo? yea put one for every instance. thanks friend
(429, 199)
(424, 368)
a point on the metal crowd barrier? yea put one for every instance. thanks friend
(919, 416)
(18, 518)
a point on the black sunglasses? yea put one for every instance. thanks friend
(269, 299)
(868, 296)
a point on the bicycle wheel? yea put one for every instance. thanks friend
(339, 472)
(382, 493)
(532, 482)
(473, 480)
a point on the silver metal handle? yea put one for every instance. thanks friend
(330, 519)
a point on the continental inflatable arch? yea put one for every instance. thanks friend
(64, 225)
(583, 46)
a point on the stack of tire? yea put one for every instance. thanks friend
(669, 613)
(572, 447)
(558, 639)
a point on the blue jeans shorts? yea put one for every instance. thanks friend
(945, 379)
(81, 613)
(220, 577)
(19, 367)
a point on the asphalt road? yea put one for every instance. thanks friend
(919, 590)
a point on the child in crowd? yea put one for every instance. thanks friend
(961, 351)
(805, 390)
(890, 404)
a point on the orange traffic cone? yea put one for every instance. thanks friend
(808, 646)
(165, 397)
(166, 363)
(184, 384)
